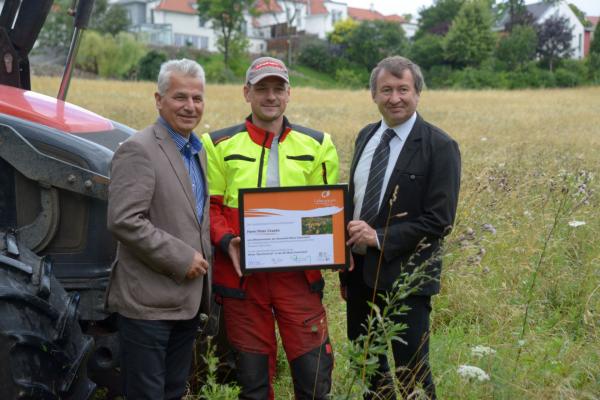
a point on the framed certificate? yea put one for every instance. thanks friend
(293, 228)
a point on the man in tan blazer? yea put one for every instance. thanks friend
(158, 211)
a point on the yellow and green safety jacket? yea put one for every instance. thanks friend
(237, 158)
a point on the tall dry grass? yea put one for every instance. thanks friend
(531, 166)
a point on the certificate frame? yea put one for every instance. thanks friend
(280, 228)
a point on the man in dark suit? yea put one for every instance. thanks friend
(404, 182)
(158, 211)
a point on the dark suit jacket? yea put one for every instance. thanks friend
(152, 213)
(427, 177)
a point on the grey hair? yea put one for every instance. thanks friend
(184, 67)
(396, 65)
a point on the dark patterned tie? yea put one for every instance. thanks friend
(370, 204)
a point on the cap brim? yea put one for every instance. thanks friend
(259, 78)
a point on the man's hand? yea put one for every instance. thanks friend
(198, 267)
(361, 234)
(234, 254)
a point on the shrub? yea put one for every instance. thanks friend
(352, 78)
(110, 56)
(517, 48)
(149, 65)
(439, 76)
(216, 72)
(566, 77)
(593, 66)
(485, 78)
(531, 76)
(315, 53)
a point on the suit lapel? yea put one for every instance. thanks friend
(361, 146)
(410, 148)
(168, 146)
(202, 160)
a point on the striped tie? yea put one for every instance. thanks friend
(370, 204)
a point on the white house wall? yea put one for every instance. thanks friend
(322, 24)
(273, 18)
(409, 29)
(316, 25)
(188, 26)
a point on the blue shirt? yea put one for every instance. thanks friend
(189, 150)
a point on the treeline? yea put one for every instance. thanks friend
(458, 44)
(462, 44)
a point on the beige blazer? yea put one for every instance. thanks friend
(152, 213)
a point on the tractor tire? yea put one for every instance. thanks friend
(42, 350)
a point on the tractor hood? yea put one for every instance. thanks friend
(62, 130)
(48, 111)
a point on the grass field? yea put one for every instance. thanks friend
(531, 167)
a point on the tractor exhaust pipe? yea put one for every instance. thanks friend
(82, 18)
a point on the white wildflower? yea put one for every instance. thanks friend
(480, 351)
(527, 213)
(206, 126)
(575, 224)
(469, 372)
(521, 343)
(484, 139)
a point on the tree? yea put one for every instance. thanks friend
(341, 31)
(428, 51)
(470, 39)
(595, 45)
(518, 47)
(593, 58)
(228, 18)
(149, 65)
(518, 15)
(554, 40)
(107, 18)
(315, 53)
(438, 18)
(580, 15)
(110, 56)
(57, 31)
(291, 11)
(371, 41)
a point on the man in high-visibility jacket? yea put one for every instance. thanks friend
(266, 150)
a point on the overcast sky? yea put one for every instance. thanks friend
(590, 7)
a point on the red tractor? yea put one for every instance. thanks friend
(55, 250)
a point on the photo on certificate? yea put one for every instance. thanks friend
(293, 228)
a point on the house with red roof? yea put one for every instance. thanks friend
(177, 23)
(363, 14)
(313, 17)
(542, 11)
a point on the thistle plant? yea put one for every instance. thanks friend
(212, 389)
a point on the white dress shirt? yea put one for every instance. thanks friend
(361, 174)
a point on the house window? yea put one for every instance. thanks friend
(202, 21)
(199, 42)
(336, 15)
(203, 42)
